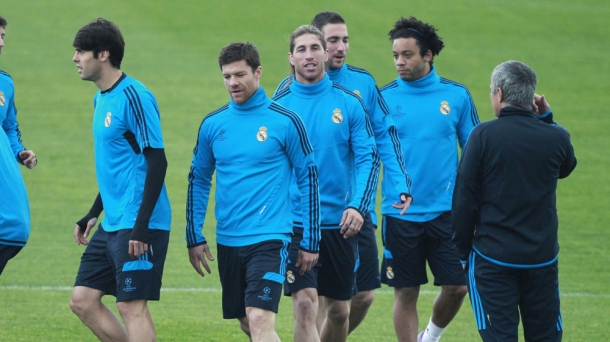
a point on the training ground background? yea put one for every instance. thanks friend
(172, 47)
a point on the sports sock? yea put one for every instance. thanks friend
(433, 333)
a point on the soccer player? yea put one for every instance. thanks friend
(348, 165)
(255, 146)
(505, 190)
(432, 115)
(14, 205)
(125, 256)
(362, 83)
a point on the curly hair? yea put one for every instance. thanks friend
(424, 34)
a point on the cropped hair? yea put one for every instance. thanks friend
(517, 81)
(424, 35)
(3, 22)
(101, 35)
(236, 52)
(324, 18)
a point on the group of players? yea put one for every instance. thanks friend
(296, 178)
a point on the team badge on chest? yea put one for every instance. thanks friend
(2, 99)
(108, 120)
(262, 134)
(337, 116)
(445, 109)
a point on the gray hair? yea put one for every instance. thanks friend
(517, 81)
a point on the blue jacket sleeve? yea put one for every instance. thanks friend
(468, 120)
(301, 156)
(366, 158)
(11, 128)
(388, 144)
(198, 192)
(465, 206)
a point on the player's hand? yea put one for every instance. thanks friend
(306, 261)
(81, 233)
(137, 248)
(351, 222)
(540, 106)
(405, 203)
(197, 256)
(28, 157)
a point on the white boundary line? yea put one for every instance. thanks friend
(217, 289)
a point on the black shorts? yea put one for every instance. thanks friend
(334, 275)
(367, 276)
(252, 276)
(7, 253)
(107, 266)
(499, 294)
(408, 245)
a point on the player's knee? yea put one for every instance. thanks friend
(133, 309)
(306, 309)
(363, 300)
(338, 312)
(456, 292)
(407, 295)
(244, 325)
(80, 304)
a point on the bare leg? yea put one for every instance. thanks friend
(87, 304)
(139, 324)
(245, 326)
(336, 325)
(305, 308)
(405, 313)
(361, 303)
(447, 304)
(262, 324)
(321, 317)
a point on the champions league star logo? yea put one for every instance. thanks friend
(266, 290)
(128, 287)
(265, 296)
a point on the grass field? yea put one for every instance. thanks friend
(172, 48)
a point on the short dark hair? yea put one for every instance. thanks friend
(101, 35)
(324, 18)
(424, 34)
(236, 52)
(3, 22)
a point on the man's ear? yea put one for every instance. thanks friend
(103, 55)
(501, 94)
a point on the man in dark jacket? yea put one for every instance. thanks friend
(504, 208)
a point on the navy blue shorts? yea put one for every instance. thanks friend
(251, 276)
(367, 276)
(334, 275)
(107, 266)
(408, 245)
(499, 294)
(7, 253)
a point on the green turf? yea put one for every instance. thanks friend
(172, 47)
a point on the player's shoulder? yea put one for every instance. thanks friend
(454, 86)
(282, 92)
(4, 74)
(6, 78)
(216, 114)
(356, 70)
(389, 87)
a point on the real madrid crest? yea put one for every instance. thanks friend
(290, 277)
(337, 116)
(389, 273)
(445, 109)
(2, 99)
(357, 92)
(262, 134)
(108, 120)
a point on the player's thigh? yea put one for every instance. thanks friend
(95, 270)
(265, 269)
(338, 257)
(404, 262)
(138, 278)
(367, 275)
(540, 304)
(494, 296)
(441, 254)
(294, 280)
(232, 273)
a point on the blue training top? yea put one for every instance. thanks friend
(344, 144)
(431, 115)
(126, 120)
(14, 205)
(255, 148)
